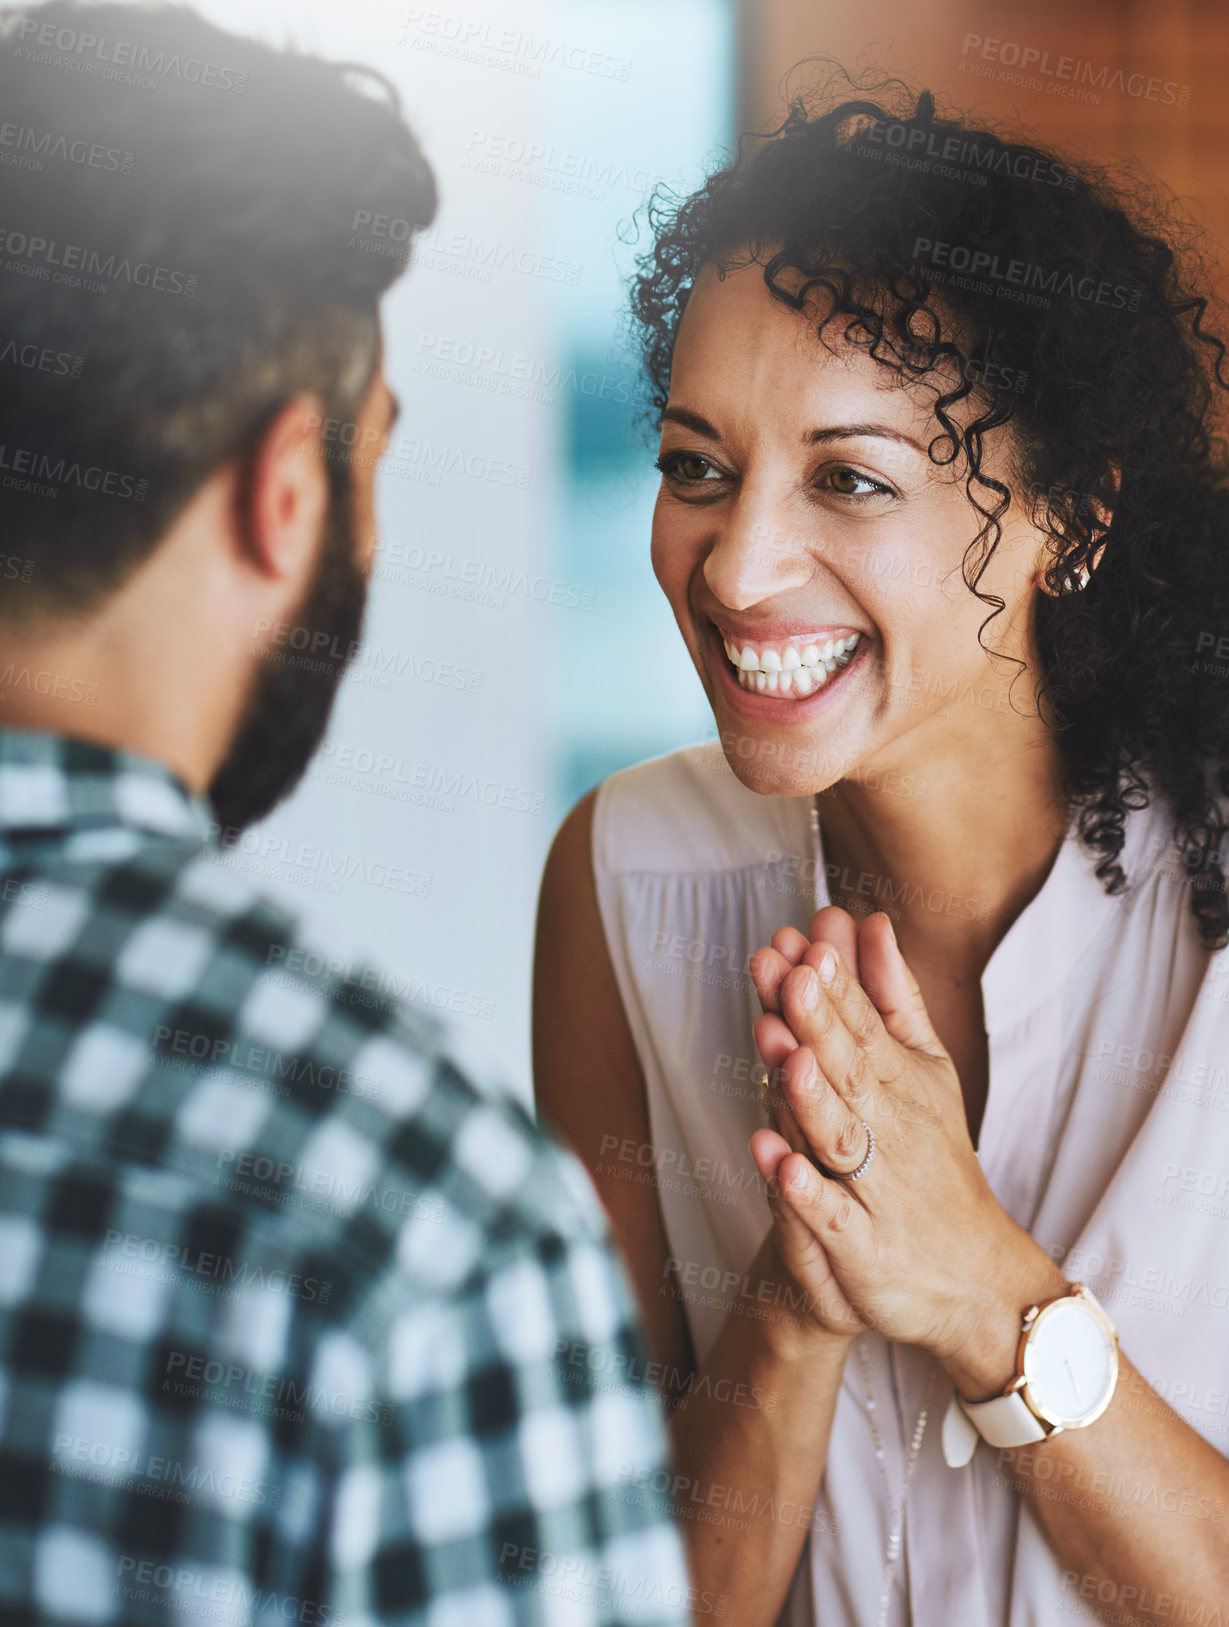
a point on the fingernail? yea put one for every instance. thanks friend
(827, 967)
(801, 1181)
(808, 993)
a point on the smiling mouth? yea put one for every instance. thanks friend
(793, 669)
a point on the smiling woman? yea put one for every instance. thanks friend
(941, 523)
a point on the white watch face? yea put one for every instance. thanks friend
(1070, 1362)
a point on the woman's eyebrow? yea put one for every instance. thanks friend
(850, 432)
(690, 420)
(833, 432)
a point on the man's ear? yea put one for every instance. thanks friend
(282, 494)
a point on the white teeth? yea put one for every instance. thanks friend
(790, 658)
(791, 672)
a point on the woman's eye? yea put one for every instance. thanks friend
(849, 483)
(693, 469)
(688, 466)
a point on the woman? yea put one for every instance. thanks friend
(941, 525)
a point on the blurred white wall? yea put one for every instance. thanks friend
(421, 831)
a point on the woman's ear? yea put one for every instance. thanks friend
(1104, 512)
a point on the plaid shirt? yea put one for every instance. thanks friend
(298, 1321)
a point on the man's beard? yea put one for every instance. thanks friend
(289, 706)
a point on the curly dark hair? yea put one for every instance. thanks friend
(1061, 300)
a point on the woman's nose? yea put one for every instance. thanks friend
(756, 555)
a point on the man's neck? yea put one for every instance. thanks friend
(162, 667)
(92, 681)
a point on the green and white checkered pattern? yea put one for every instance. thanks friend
(301, 1318)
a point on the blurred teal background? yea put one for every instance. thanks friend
(548, 123)
(629, 689)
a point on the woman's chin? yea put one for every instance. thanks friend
(775, 767)
(781, 743)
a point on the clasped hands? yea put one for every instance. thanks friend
(919, 1248)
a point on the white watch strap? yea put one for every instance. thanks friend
(1005, 1420)
(1002, 1421)
(959, 1437)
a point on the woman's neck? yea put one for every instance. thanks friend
(953, 852)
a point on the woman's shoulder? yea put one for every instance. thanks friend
(687, 811)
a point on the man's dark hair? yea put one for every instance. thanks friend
(191, 236)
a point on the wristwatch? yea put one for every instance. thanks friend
(1066, 1370)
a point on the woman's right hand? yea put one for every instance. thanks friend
(792, 1253)
(792, 1249)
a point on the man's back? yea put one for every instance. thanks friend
(296, 1321)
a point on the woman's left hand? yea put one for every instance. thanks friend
(921, 1247)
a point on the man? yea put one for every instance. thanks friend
(298, 1319)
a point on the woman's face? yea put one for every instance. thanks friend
(798, 512)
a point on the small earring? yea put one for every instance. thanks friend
(1075, 581)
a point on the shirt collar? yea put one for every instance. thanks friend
(51, 783)
(1057, 928)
